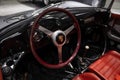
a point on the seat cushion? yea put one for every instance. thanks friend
(108, 66)
(117, 77)
(86, 76)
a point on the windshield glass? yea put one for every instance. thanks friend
(8, 7)
(115, 7)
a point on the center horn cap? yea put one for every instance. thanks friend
(59, 38)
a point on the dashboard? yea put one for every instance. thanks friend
(17, 54)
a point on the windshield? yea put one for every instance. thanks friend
(9, 7)
(116, 7)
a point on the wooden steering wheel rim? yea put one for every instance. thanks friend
(35, 26)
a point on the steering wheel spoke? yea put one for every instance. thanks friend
(60, 54)
(45, 30)
(67, 31)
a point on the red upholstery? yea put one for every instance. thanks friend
(1, 78)
(117, 77)
(86, 76)
(108, 66)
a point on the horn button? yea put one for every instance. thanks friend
(59, 38)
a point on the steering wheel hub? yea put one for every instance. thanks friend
(59, 38)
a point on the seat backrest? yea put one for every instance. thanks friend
(108, 66)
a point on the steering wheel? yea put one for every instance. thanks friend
(58, 38)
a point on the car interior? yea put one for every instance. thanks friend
(61, 41)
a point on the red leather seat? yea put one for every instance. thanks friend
(105, 68)
(108, 66)
(86, 76)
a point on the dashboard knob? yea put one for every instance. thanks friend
(87, 47)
